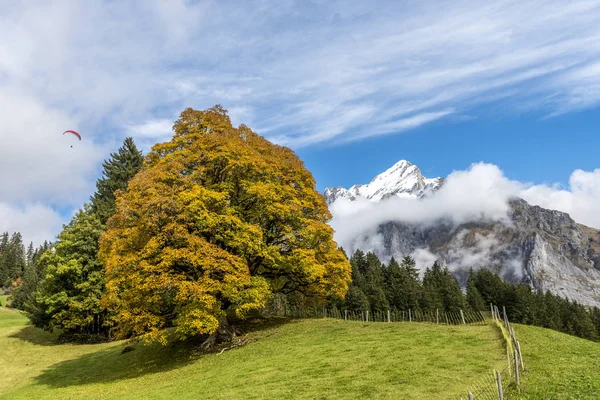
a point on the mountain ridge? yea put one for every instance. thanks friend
(543, 248)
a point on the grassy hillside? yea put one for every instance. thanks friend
(323, 359)
(558, 366)
(305, 359)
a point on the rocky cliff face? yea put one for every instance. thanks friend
(543, 248)
(540, 247)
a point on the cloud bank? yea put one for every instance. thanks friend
(480, 193)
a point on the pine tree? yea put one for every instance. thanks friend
(118, 170)
(356, 300)
(374, 283)
(473, 296)
(452, 295)
(396, 279)
(4, 269)
(432, 287)
(14, 258)
(413, 297)
(595, 315)
(490, 286)
(24, 296)
(30, 253)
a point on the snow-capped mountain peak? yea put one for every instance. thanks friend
(403, 179)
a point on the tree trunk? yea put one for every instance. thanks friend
(226, 333)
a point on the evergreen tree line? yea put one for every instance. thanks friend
(397, 286)
(62, 288)
(16, 263)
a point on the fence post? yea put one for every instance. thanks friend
(367, 316)
(499, 385)
(517, 367)
(471, 396)
(345, 315)
(492, 307)
(437, 316)
(520, 355)
(389, 316)
(409, 316)
(463, 317)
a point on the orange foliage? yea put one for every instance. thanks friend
(218, 219)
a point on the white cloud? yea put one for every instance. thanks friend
(152, 129)
(581, 201)
(301, 73)
(480, 193)
(36, 222)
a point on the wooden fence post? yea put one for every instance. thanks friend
(520, 355)
(471, 396)
(389, 316)
(367, 315)
(463, 317)
(517, 367)
(409, 316)
(492, 307)
(437, 316)
(345, 315)
(499, 385)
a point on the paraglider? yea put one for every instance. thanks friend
(74, 133)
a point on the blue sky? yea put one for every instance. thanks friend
(528, 148)
(352, 86)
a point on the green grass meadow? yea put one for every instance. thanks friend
(3, 299)
(316, 359)
(558, 366)
(306, 359)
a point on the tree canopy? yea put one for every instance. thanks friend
(69, 294)
(218, 219)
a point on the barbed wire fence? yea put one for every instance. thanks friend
(505, 379)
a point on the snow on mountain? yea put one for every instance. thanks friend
(544, 248)
(403, 179)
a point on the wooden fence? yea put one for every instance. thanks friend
(460, 317)
(506, 379)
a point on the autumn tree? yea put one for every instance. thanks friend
(218, 219)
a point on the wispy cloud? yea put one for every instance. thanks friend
(300, 73)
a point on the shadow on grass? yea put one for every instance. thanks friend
(109, 365)
(36, 336)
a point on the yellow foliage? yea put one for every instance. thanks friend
(219, 218)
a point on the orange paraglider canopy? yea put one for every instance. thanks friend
(74, 133)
